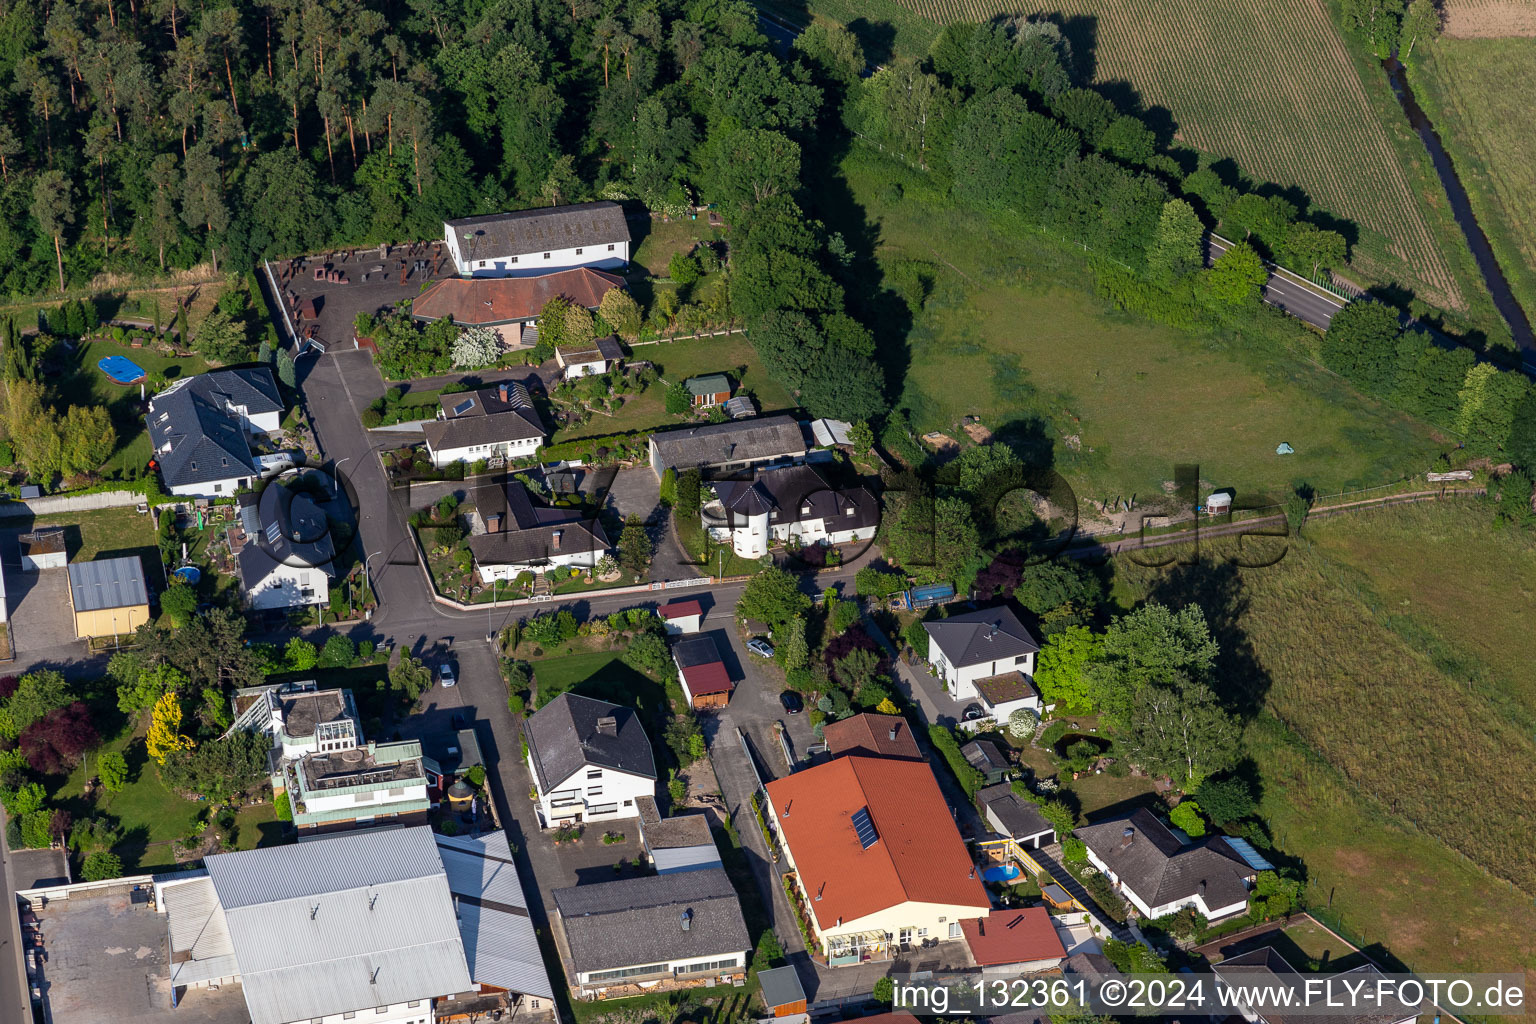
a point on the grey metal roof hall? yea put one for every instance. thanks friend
(341, 924)
(719, 444)
(640, 921)
(107, 583)
(499, 940)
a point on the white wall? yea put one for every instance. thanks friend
(530, 264)
(746, 541)
(212, 488)
(262, 422)
(378, 801)
(581, 559)
(284, 588)
(394, 1013)
(962, 681)
(737, 958)
(580, 794)
(473, 453)
(590, 369)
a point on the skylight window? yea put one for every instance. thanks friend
(464, 407)
(865, 828)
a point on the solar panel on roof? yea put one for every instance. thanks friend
(464, 407)
(274, 531)
(865, 828)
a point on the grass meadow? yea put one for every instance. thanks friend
(1270, 85)
(1007, 333)
(1395, 736)
(1475, 90)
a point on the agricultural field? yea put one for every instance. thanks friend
(1475, 89)
(1396, 739)
(1269, 85)
(1488, 19)
(1007, 333)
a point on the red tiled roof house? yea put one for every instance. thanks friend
(877, 858)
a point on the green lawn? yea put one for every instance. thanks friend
(662, 240)
(730, 354)
(1009, 334)
(1395, 741)
(112, 533)
(151, 816)
(599, 674)
(82, 383)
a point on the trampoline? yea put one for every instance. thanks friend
(121, 370)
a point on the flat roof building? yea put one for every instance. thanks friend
(109, 596)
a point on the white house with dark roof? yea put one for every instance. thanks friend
(794, 502)
(289, 559)
(1159, 874)
(520, 536)
(202, 428)
(590, 760)
(474, 425)
(986, 655)
(680, 929)
(539, 241)
(590, 357)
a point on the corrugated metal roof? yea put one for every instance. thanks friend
(342, 924)
(1244, 849)
(499, 940)
(197, 924)
(107, 583)
(686, 858)
(342, 862)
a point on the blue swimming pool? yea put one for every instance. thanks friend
(1001, 873)
(188, 574)
(121, 370)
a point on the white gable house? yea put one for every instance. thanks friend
(988, 656)
(474, 425)
(590, 760)
(795, 502)
(202, 429)
(540, 241)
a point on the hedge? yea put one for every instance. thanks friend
(943, 740)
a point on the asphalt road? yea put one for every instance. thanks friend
(1287, 292)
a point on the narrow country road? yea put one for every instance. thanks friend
(1288, 292)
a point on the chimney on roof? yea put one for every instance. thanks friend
(819, 891)
(687, 918)
(1126, 837)
(608, 725)
(503, 391)
(493, 522)
(555, 539)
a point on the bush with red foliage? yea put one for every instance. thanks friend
(1002, 574)
(855, 636)
(55, 743)
(8, 686)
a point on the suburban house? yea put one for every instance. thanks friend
(680, 618)
(877, 860)
(202, 429)
(365, 925)
(728, 447)
(1265, 969)
(682, 843)
(299, 717)
(871, 735)
(706, 681)
(43, 548)
(986, 655)
(675, 930)
(359, 787)
(590, 760)
(109, 596)
(793, 503)
(522, 537)
(1159, 875)
(589, 358)
(1021, 940)
(507, 305)
(287, 560)
(1011, 815)
(709, 390)
(534, 242)
(984, 756)
(475, 425)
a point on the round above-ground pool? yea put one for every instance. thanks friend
(121, 369)
(1001, 873)
(188, 574)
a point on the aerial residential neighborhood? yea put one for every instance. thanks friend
(695, 513)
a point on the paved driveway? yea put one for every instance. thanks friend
(42, 622)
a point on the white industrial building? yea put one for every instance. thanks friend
(539, 241)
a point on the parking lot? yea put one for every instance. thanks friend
(41, 620)
(373, 283)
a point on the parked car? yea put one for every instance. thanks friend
(973, 712)
(760, 647)
(792, 702)
(446, 676)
